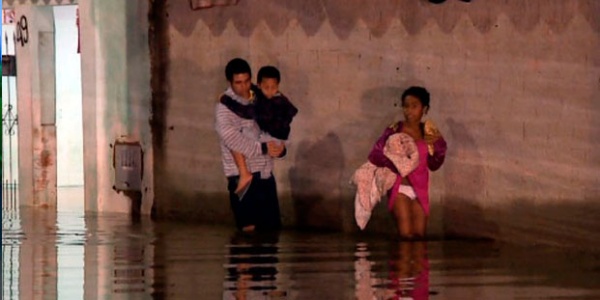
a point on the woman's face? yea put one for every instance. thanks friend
(413, 109)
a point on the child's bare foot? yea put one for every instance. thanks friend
(249, 228)
(243, 183)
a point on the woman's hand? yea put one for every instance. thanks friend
(432, 134)
(432, 137)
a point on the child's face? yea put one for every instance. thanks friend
(413, 109)
(269, 87)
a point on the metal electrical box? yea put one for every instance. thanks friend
(128, 166)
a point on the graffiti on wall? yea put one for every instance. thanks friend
(22, 31)
(8, 16)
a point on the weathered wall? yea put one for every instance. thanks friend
(515, 91)
(116, 98)
(35, 106)
(116, 101)
(12, 3)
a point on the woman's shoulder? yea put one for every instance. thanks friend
(396, 126)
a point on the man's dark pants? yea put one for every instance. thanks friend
(259, 206)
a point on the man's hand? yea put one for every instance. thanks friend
(275, 148)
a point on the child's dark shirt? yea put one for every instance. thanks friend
(273, 116)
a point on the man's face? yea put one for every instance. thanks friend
(240, 84)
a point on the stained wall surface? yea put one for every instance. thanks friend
(515, 89)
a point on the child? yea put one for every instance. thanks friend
(271, 110)
(409, 197)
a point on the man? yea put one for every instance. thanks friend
(259, 207)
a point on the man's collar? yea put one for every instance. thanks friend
(229, 92)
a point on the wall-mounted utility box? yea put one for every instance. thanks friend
(128, 166)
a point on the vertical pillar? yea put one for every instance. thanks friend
(89, 89)
(36, 105)
(116, 90)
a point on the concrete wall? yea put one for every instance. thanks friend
(116, 98)
(13, 3)
(35, 107)
(515, 91)
(116, 105)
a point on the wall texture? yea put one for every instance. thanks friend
(515, 90)
(12, 3)
(116, 89)
(35, 107)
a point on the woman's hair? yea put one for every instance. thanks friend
(419, 92)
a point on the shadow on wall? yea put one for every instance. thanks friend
(382, 106)
(464, 174)
(343, 15)
(295, 83)
(315, 183)
(176, 129)
(379, 107)
(593, 191)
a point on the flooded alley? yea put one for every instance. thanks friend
(67, 255)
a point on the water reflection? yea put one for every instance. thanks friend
(38, 255)
(48, 255)
(118, 256)
(11, 235)
(363, 274)
(252, 267)
(407, 272)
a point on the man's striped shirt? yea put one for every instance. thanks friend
(243, 136)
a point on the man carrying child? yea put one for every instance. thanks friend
(252, 124)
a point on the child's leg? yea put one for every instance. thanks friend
(419, 220)
(402, 212)
(245, 175)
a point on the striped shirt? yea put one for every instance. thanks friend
(243, 136)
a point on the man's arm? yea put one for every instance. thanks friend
(228, 131)
(243, 111)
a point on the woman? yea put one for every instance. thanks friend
(409, 197)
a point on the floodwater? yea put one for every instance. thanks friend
(64, 255)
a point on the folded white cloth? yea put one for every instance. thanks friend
(402, 150)
(373, 182)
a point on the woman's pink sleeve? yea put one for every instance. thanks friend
(436, 160)
(376, 155)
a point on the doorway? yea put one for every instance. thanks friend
(69, 126)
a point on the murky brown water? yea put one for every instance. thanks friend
(68, 256)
